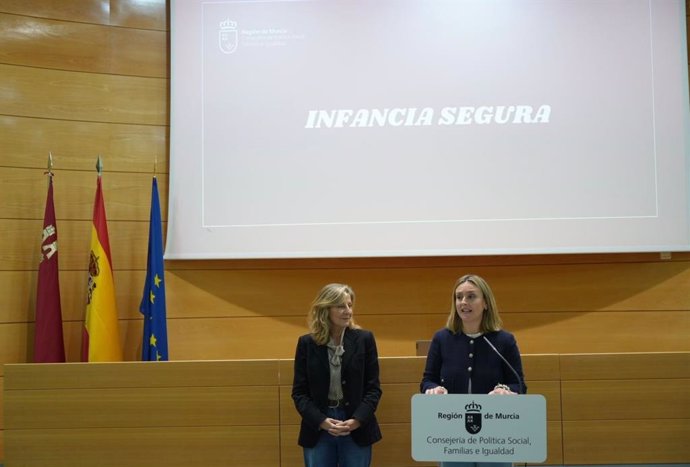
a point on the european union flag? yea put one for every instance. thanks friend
(155, 343)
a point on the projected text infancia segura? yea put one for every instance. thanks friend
(427, 116)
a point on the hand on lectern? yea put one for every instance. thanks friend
(501, 389)
(436, 390)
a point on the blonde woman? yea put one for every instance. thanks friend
(336, 386)
(464, 356)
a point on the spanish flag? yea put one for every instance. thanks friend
(101, 336)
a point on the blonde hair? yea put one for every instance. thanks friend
(318, 318)
(491, 321)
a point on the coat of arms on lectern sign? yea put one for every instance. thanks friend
(473, 418)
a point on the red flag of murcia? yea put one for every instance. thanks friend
(49, 343)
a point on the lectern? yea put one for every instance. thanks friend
(479, 428)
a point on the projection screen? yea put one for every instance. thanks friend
(365, 128)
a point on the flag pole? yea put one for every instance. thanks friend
(49, 171)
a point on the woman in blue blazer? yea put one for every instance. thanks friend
(464, 356)
(336, 386)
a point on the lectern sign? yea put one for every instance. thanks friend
(479, 428)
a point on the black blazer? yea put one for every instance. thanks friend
(360, 381)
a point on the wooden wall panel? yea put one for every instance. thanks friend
(15, 344)
(208, 412)
(551, 390)
(395, 406)
(554, 444)
(288, 414)
(652, 399)
(541, 367)
(241, 337)
(221, 330)
(2, 414)
(94, 11)
(543, 287)
(241, 340)
(244, 337)
(658, 441)
(16, 341)
(286, 370)
(581, 287)
(75, 145)
(589, 331)
(128, 243)
(52, 403)
(172, 447)
(141, 407)
(18, 294)
(293, 288)
(625, 366)
(402, 369)
(150, 14)
(68, 95)
(127, 195)
(82, 47)
(631, 408)
(148, 375)
(290, 452)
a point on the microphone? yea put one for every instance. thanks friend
(506, 362)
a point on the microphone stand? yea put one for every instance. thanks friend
(521, 386)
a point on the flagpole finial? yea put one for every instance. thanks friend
(50, 164)
(155, 165)
(99, 166)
